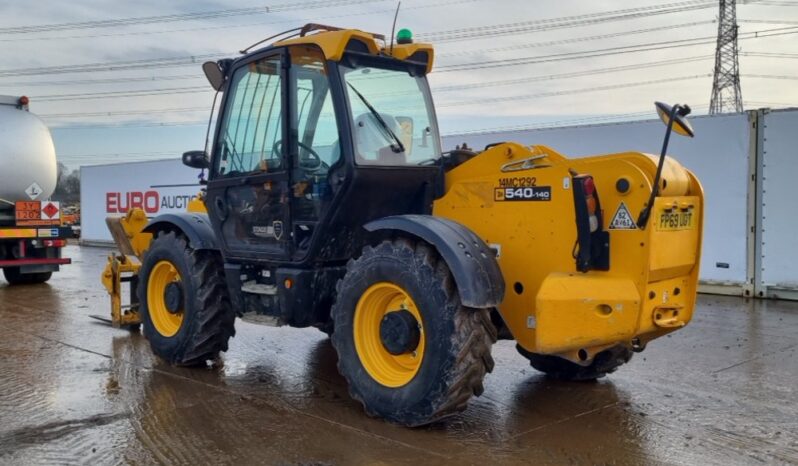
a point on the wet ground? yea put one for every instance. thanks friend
(721, 391)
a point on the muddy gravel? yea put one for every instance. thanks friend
(74, 391)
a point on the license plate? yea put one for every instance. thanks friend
(676, 220)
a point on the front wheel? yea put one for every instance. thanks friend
(184, 302)
(559, 368)
(410, 351)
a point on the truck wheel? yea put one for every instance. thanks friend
(559, 368)
(15, 277)
(410, 351)
(184, 303)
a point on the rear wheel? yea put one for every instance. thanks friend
(14, 276)
(559, 368)
(184, 302)
(410, 351)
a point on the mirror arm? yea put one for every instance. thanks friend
(646, 212)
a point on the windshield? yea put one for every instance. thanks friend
(392, 116)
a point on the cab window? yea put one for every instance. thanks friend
(393, 121)
(251, 133)
(315, 125)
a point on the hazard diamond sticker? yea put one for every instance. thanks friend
(33, 191)
(622, 220)
(50, 211)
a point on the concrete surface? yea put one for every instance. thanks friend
(721, 391)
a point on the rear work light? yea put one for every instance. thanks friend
(54, 243)
(592, 248)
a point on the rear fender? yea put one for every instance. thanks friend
(472, 263)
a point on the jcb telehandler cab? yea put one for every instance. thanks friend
(329, 203)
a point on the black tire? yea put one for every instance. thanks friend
(606, 362)
(458, 340)
(15, 277)
(208, 320)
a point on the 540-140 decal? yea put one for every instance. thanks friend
(529, 193)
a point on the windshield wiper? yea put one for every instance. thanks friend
(398, 147)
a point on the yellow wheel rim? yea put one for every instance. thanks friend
(388, 369)
(165, 322)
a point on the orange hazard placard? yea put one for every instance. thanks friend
(36, 213)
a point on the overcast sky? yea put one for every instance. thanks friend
(92, 123)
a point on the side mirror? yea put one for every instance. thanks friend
(680, 123)
(196, 159)
(214, 74)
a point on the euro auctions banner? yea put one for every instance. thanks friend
(157, 187)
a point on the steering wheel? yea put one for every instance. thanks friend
(318, 163)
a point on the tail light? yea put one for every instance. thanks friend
(591, 250)
(54, 243)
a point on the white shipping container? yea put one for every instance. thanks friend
(779, 216)
(161, 186)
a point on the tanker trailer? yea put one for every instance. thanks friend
(31, 230)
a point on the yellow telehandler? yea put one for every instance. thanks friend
(330, 203)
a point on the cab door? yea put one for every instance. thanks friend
(314, 149)
(247, 193)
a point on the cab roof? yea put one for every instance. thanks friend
(334, 42)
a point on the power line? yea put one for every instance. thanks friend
(769, 54)
(164, 62)
(563, 22)
(231, 26)
(200, 89)
(29, 29)
(131, 125)
(480, 51)
(119, 154)
(766, 21)
(118, 94)
(205, 88)
(475, 101)
(769, 76)
(572, 21)
(573, 74)
(475, 65)
(576, 39)
(608, 51)
(92, 82)
(124, 112)
(768, 104)
(771, 3)
(571, 91)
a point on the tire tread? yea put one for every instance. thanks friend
(472, 339)
(214, 319)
